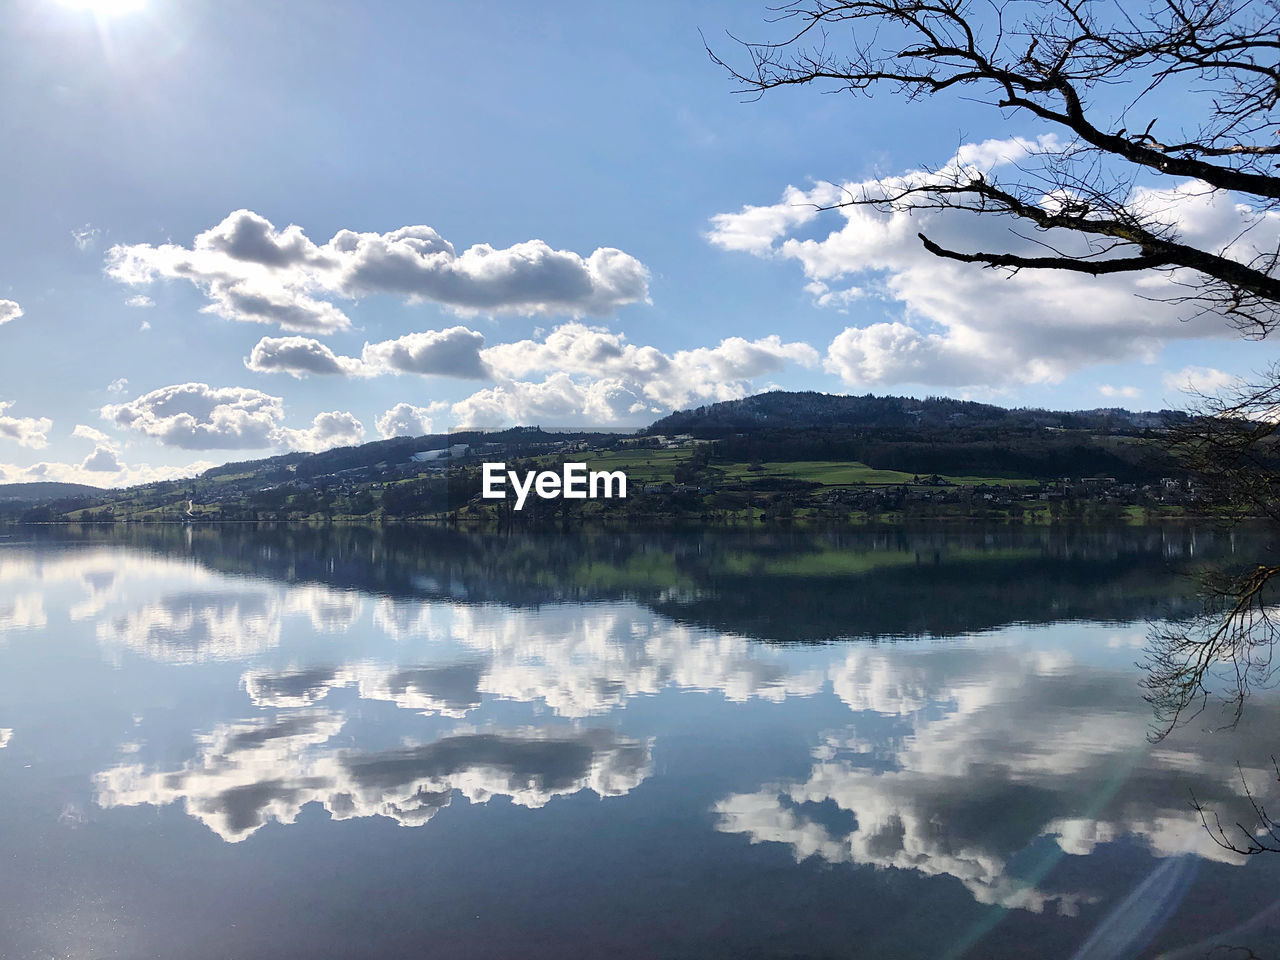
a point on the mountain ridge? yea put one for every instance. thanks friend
(778, 409)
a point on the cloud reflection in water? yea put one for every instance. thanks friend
(250, 773)
(1004, 747)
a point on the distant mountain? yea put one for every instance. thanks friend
(809, 410)
(45, 491)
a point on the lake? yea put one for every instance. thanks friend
(341, 741)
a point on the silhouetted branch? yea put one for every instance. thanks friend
(1047, 60)
(1262, 837)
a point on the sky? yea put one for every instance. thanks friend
(232, 229)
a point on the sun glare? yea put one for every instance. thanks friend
(105, 8)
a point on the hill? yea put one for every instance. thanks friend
(42, 492)
(776, 454)
(808, 410)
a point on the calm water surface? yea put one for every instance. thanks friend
(244, 742)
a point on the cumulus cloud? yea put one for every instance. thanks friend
(1201, 381)
(9, 310)
(197, 416)
(753, 229)
(406, 420)
(959, 325)
(558, 399)
(595, 375)
(139, 300)
(85, 432)
(332, 429)
(454, 352)
(101, 468)
(119, 385)
(299, 356)
(105, 457)
(252, 271)
(588, 373)
(1127, 393)
(27, 431)
(127, 475)
(102, 460)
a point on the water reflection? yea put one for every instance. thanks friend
(247, 774)
(449, 690)
(1000, 748)
(23, 612)
(769, 585)
(976, 736)
(191, 627)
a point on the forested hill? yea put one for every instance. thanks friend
(809, 411)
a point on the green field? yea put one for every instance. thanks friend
(837, 474)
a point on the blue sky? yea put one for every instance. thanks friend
(586, 175)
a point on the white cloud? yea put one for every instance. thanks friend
(332, 429)
(27, 431)
(119, 385)
(299, 356)
(9, 310)
(406, 420)
(961, 325)
(1128, 393)
(140, 300)
(754, 229)
(595, 375)
(254, 272)
(6, 734)
(144, 326)
(102, 460)
(126, 476)
(590, 373)
(85, 432)
(101, 468)
(1204, 381)
(196, 416)
(454, 352)
(556, 399)
(105, 457)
